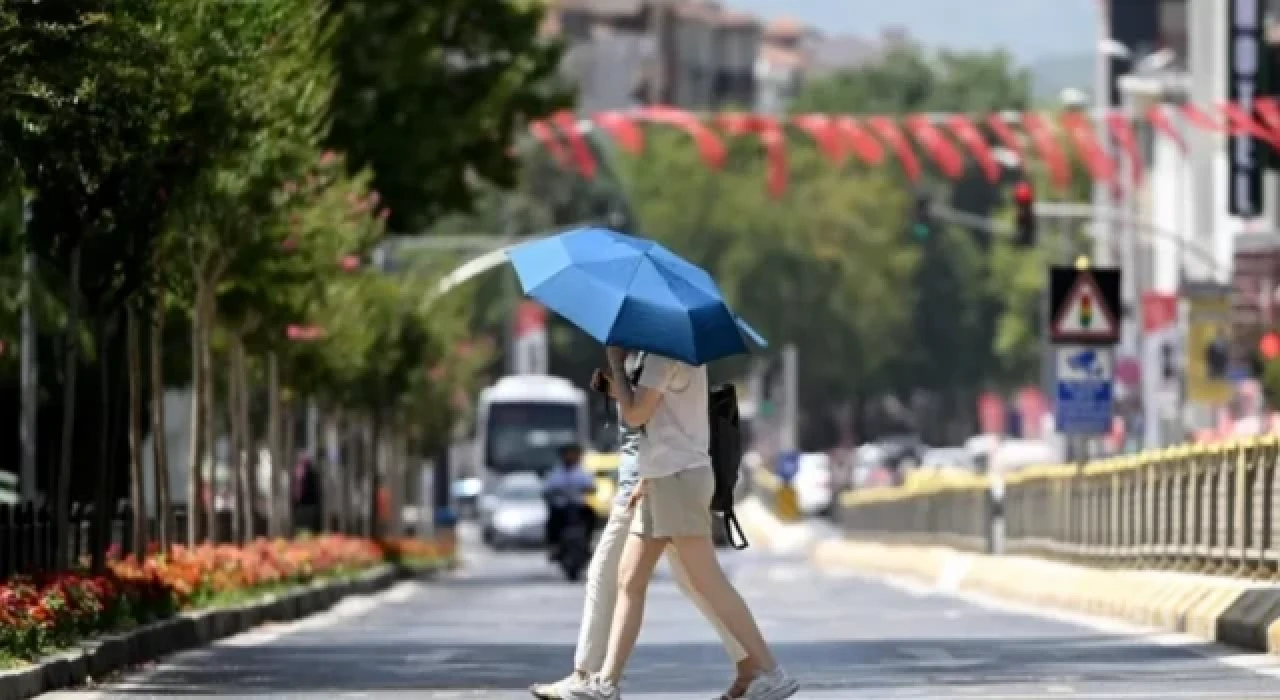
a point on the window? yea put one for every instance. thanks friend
(527, 436)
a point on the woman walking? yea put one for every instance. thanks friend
(602, 581)
(672, 508)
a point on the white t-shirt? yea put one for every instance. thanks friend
(678, 434)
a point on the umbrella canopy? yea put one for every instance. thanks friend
(632, 293)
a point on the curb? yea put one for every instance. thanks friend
(100, 656)
(1237, 612)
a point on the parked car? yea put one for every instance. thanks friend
(952, 457)
(812, 483)
(515, 514)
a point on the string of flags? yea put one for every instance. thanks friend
(945, 140)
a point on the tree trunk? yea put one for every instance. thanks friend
(275, 504)
(134, 351)
(103, 502)
(248, 445)
(159, 446)
(209, 425)
(195, 461)
(288, 449)
(235, 450)
(70, 360)
(376, 464)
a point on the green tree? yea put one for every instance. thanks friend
(430, 93)
(92, 110)
(955, 305)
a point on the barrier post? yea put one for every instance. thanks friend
(996, 515)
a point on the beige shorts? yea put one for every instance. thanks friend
(678, 505)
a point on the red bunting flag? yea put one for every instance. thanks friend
(1199, 119)
(772, 139)
(888, 130)
(822, 130)
(859, 140)
(1268, 113)
(1005, 134)
(1240, 121)
(1050, 150)
(622, 130)
(1159, 119)
(1122, 133)
(972, 138)
(583, 159)
(710, 147)
(1080, 131)
(949, 158)
(547, 137)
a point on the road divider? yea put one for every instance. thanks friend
(1214, 608)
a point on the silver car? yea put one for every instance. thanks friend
(515, 513)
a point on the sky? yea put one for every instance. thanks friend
(1028, 29)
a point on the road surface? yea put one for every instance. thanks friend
(508, 620)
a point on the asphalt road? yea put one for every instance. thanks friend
(509, 619)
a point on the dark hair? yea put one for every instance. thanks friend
(570, 447)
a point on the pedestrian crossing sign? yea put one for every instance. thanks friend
(1084, 314)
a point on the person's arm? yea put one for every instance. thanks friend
(637, 405)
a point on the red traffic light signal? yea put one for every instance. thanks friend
(1025, 214)
(1269, 345)
(1022, 193)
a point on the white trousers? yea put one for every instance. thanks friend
(602, 593)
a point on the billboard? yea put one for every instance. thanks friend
(1209, 345)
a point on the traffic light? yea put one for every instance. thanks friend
(1024, 202)
(922, 216)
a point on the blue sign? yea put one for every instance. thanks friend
(788, 466)
(1085, 397)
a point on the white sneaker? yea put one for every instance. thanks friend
(596, 689)
(771, 685)
(560, 690)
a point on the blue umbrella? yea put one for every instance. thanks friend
(632, 293)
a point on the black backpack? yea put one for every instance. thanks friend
(725, 450)
(726, 457)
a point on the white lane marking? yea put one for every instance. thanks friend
(1255, 662)
(345, 609)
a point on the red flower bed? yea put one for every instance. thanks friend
(48, 612)
(411, 550)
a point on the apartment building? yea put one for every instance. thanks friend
(687, 53)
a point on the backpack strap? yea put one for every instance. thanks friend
(634, 377)
(730, 524)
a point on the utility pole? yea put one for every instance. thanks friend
(787, 440)
(29, 376)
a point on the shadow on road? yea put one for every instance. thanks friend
(294, 666)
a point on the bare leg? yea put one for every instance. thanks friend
(746, 666)
(699, 558)
(639, 558)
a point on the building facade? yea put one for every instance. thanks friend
(685, 53)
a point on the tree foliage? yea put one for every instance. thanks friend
(216, 165)
(429, 94)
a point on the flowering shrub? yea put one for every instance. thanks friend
(48, 612)
(411, 550)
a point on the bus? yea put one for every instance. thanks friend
(522, 420)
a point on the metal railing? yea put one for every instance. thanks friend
(1195, 508)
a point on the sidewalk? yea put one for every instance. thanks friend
(1233, 611)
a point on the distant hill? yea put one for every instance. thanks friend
(1050, 75)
